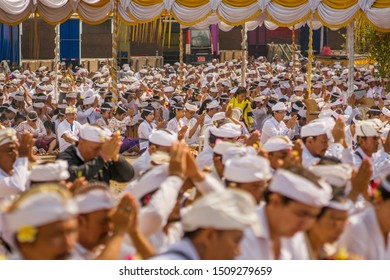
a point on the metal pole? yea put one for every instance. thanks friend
(243, 56)
(351, 56)
(114, 75)
(181, 78)
(56, 60)
(310, 55)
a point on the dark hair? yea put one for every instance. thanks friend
(304, 139)
(50, 125)
(174, 108)
(329, 160)
(3, 118)
(385, 194)
(19, 117)
(147, 112)
(213, 139)
(267, 193)
(240, 90)
(192, 234)
(203, 106)
(338, 195)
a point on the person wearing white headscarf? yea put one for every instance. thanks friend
(42, 223)
(328, 227)
(103, 225)
(214, 226)
(291, 191)
(13, 162)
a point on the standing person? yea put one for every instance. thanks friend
(96, 157)
(241, 100)
(275, 126)
(69, 129)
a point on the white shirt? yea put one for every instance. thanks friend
(141, 163)
(154, 216)
(207, 120)
(174, 125)
(261, 248)
(362, 236)
(205, 157)
(274, 128)
(72, 131)
(15, 184)
(195, 137)
(335, 150)
(182, 250)
(144, 130)
(86, 116)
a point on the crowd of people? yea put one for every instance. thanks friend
(284, 166)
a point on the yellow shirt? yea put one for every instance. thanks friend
(246, 109)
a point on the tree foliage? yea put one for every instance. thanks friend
(379, 50)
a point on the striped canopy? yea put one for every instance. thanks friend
(273, 13)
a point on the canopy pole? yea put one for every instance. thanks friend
(114, 76)
(351, 56)
(293, 48)
(310, 56)
(181, 78)
(243, 56)
(56, 60)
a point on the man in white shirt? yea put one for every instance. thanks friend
(214, 227)
(294, 200)
(276, 126)
(102, 226)
(13, 162)
(315, 139)
(194, 125)
(69, 129)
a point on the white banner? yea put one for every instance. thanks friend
(199, 270)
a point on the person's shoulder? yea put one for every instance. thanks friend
(67, 153)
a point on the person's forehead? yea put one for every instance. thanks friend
(99, 214)
(336, 214)
(8, 145)
(299, 206)
(58, 225)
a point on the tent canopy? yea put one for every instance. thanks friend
(331, 13)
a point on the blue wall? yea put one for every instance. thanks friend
(70, 41)
(9, 43)
(304, 39)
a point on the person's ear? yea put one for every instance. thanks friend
(275, 199)
(310, 141)
(152, 149)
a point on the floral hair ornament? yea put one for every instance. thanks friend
(26, 234)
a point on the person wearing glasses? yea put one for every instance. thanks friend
(275, 126)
